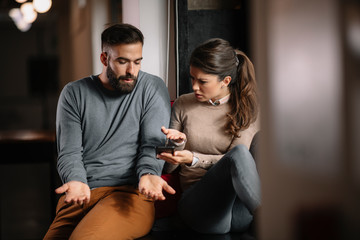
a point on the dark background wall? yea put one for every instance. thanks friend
(21, 98)
(31, 66)
(199, 21)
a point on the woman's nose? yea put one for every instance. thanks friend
(195, 85)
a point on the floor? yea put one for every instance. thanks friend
(173, 228)
(173, 235)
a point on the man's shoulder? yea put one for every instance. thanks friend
(80, 82)
(151, 84)
(149, 79)
(79, 85)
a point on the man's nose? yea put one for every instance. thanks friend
(130, 68)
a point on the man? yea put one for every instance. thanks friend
(107, 127)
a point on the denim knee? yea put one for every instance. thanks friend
(239, 152)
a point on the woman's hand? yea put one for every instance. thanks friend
(173, 134)
(179, 157)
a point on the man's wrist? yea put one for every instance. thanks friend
(147, 173)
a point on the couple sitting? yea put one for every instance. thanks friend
(107, 126)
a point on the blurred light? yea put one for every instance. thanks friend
(22, 25)
(15, 13)
(42, 6)
(18, 18)
(30, 17)
(26, 8)
(28, 12)
(21, 1)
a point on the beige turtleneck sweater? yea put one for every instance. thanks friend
(203, 125)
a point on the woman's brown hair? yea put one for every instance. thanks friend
(216, 56)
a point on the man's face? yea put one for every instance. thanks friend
(124, 62)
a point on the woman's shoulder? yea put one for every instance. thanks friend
(186, 99)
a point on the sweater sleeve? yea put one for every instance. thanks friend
(206, 160)
(175, 123)
(156, 113)
(69, 138)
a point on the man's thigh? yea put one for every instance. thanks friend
(122, 214)
(66, 219)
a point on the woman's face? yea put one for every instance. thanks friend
(207, 86)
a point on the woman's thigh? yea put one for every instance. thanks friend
(120, 215)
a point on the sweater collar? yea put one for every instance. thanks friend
(220, 101)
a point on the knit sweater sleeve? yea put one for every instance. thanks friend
(176, 124)
(207, 160)
(69, 137)
(156, 113)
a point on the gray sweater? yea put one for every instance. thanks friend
(105, 138)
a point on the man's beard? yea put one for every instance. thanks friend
(118, 85)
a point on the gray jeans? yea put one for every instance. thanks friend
(225, 198)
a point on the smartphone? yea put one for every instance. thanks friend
(168, 149)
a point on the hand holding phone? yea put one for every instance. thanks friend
(168, 149)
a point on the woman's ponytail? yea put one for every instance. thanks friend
(243, 97)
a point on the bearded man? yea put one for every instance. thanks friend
(107, 127)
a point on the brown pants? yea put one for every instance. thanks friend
(113, 213)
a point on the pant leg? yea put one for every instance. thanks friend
(245, 178)
(207, 206)
(122, 214)
(66, 219)
(241, 217)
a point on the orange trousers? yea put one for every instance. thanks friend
(112, 213)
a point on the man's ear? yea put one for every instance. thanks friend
(103, 58)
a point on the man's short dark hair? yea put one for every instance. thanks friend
(119, 34)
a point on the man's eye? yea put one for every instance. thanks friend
(122, 62)
(137, 62)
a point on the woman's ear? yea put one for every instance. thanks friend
(226, 81)
(103, 58)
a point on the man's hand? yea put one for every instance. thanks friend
(76, 192)
(152, 186)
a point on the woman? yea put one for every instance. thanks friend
(216, 124)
